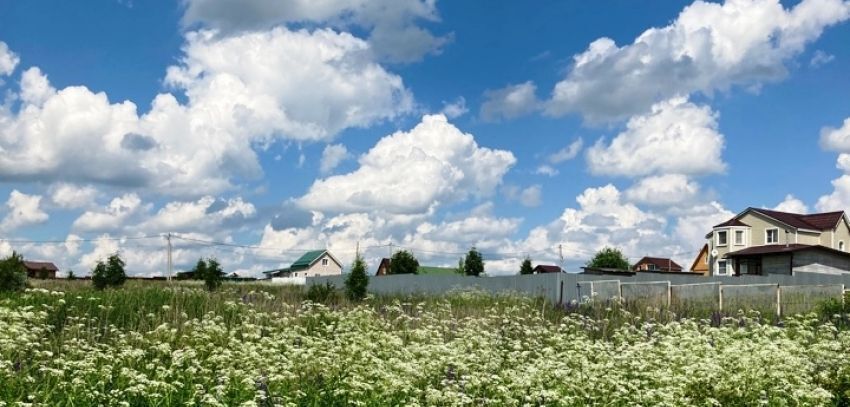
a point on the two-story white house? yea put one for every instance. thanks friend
(311, 264)
(763, 241)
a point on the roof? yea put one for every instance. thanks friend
(436, 271)
(732, 222)
(545, 268)
(40, 265)
(814, 221)
(780, 249)
(307, 259)
(660, 262)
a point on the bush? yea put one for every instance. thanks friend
(357, 281)
(323, 294)
(609, 257)
(13, 275)
(403, 262)
(109, 274)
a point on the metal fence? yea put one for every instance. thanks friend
(776, 294)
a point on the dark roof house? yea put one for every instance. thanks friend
(40, 269)
(545, 268)
(656, 264)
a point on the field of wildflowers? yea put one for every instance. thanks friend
(179, 345)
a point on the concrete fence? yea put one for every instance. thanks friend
(780, 294)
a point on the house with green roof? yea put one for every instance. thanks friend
(310, 264)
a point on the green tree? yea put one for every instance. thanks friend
(473, 265)
(526, 268)
(115, 270)
(110, 273)
(609, 257)
(71, 275)
(212, 277)
(403, 262)
(357, 281)
(13, 275)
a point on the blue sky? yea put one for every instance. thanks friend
(513, 127)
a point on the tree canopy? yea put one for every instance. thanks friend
(526, 268)
(609, 257)
(357, 281)
(473, 264)
(403, 262)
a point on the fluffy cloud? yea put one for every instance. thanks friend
(663, 190)
(71, 196)
(695, 222)
(332, 156)
(113, 217)
(8, 60)
(509, 102)
(567, 153)
(331, 83)
(237, 99)
(531, 197)
(839, 199)
(546, 169)
(677, 136)
(836, 139)
(709, 47)
(22, 210)
(792, 205)
(410, 172)
(394, 32)
(455, 109)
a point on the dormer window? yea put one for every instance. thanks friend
(721, 238)
(325, 261)
(771, 236)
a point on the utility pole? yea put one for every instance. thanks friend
(390, 245)
(170, 263)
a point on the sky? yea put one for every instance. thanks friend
(255, 130)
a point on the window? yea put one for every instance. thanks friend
(325, 261)
(721, 268)
(652, 267)
(739, 237)
(721, 238)
(771, 236)
(841, 245)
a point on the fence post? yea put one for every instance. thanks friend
(669, 294)
(720, 296)
(778, 300)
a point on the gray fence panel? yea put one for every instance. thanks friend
(700, 296)
(797, 299)
(648, 293)
(757, 297)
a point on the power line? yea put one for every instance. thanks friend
(81, 240)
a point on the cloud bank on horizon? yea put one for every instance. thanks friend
(396, 161)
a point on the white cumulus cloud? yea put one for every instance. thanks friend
(410, 172)
(509, 102)
(708, 47)
(332, 156)
(677, 136)
(22, 210)
(8, 60)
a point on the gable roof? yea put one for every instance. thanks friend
(40, 265)
(544, 268)
(660, 262)
(307, 259)
(699, 256)
(815, 221)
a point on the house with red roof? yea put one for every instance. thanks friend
(658, 264)
(762, 241)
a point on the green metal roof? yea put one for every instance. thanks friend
(436, 271)
(306, 260)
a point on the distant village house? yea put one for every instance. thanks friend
(310, 264)
(40, 269)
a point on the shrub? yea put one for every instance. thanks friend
(13, 275)
(323, 294)
(403, 262)
(212, 274)
(357, 281)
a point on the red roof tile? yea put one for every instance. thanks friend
(660, 262)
